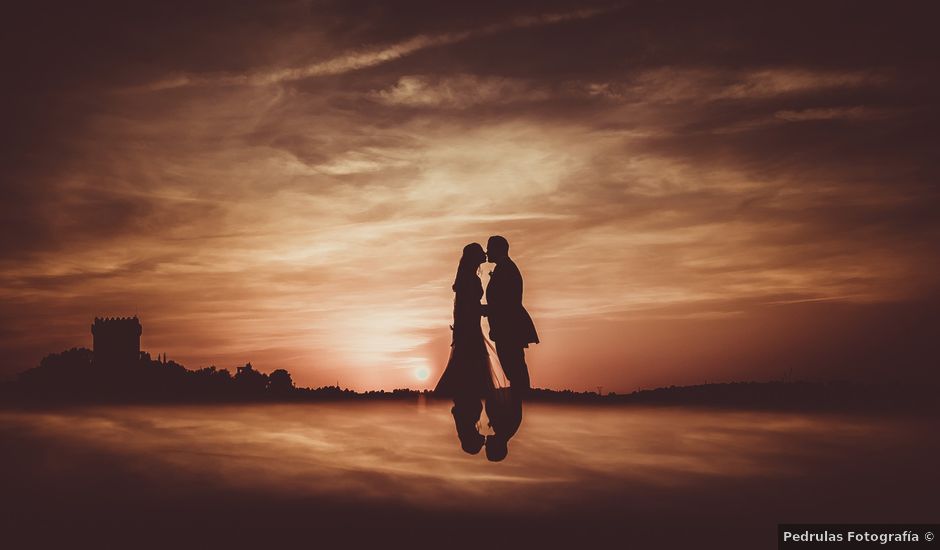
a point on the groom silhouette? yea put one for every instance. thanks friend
(512, 330)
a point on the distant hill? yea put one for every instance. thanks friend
(776, 395)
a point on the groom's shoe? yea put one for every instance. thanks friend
(471, 443)
(496, 448)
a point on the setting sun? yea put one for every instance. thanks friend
(422, 373)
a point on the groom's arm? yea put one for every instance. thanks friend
(514, 290)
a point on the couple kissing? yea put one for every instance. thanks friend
(469, 377)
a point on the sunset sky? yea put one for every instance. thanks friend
(693, 191)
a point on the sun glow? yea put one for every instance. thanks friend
(422, 373)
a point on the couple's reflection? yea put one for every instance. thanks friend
(470, 378)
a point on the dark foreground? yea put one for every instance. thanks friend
(392, 475)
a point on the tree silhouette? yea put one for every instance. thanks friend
(73, 376)
(249, 382)
(280, 382)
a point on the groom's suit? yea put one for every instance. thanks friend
(511, 327)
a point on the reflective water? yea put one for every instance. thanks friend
(601, 462)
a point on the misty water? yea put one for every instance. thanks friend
(590, 465)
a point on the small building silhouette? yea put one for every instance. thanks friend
(116, 341)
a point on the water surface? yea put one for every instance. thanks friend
(639, 470)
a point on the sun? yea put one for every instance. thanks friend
(422, 373)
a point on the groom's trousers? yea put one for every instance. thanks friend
(512, 358)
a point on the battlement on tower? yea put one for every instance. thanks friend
(117, 320)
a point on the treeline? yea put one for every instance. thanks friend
(72, 376)
(774, 395)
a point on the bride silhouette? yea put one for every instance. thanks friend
(468, 377)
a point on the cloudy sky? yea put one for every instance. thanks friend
(693, 191)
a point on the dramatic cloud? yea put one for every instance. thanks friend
(351, 61)
(458, 92)
(691, 193)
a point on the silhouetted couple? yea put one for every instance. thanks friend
(469, 376)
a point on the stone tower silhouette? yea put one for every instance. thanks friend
(116, 341)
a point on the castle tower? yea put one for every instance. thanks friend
(116, 341)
